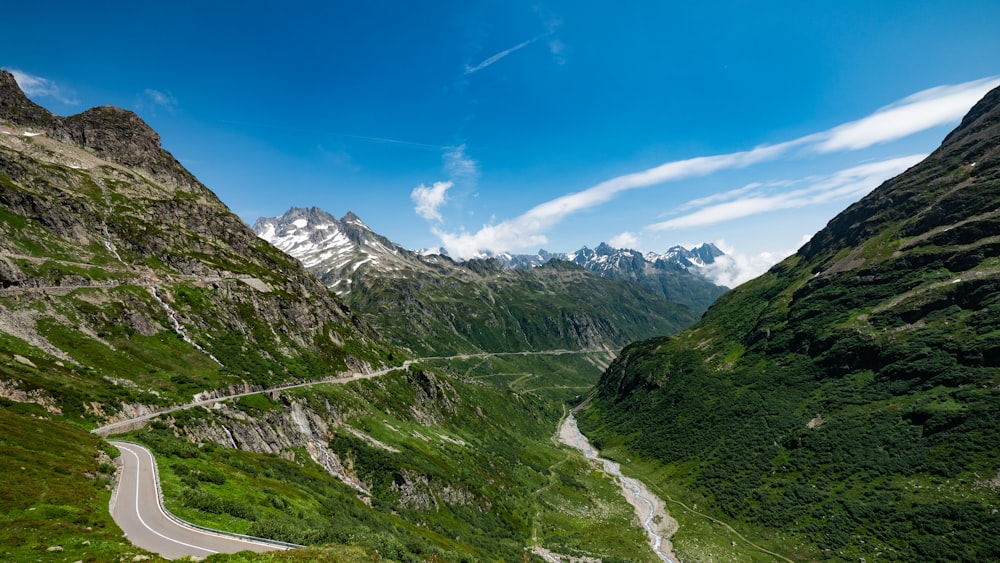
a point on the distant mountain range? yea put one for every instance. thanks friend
(678, 275)
(480, 305)
(334, 250)
(608, 259)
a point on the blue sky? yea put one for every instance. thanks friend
(514, 126)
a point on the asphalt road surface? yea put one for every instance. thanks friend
(138, 512)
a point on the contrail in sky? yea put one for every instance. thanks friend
(500, 55)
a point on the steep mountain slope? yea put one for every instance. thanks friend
(433, 305)
(126, 286)
(117, 265)
(850, 397)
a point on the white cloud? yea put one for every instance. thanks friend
(754, 199)
(36, 86)
(500, 55)
(429, 199)
(926, 109)
(923, 110)
(503, 236)
(625, 240)
(164, 100)
(460, 166)
(736, 267)
(462, 170)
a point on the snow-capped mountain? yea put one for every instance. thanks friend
(339, 251)
(677, 274)
(331, 247)
(606, 259)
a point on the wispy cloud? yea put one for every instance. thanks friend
(754, 199)
(923, 110)
(460, 166)
(552, 22)
(152, 101)
(164, 100)
(388, 141)
(942, 104)
(429, 199)
(501, 54)
(38, 87)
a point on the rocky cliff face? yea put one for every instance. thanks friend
(117, 263)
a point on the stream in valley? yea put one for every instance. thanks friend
(649, 508)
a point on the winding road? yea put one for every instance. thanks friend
(138, 510)
(137, 506)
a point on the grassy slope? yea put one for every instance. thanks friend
(484, 477)
(54, 490)
(846, 403)
(557, 306)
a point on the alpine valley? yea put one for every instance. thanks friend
(422, 424)
(312, 382)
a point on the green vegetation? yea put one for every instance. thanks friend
(846, 403)
(479, 306)
(455, 467)
(55, 482)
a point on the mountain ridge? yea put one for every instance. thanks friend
(334, 249)
(847, 398)
(475, 305)
(128, 288)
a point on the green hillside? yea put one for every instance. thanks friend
(480, 306)
(846, 404)
(127, 287)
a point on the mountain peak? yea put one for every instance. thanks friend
(353, 220)
(605, 249)
(112, 133)
(319, 240)
(17, 109)
(985, 113)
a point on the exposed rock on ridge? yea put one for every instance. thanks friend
(107, 244)
(113, 134)
(849, 394)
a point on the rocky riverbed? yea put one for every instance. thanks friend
(649, 508)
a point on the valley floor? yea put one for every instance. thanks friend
(649, 508)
